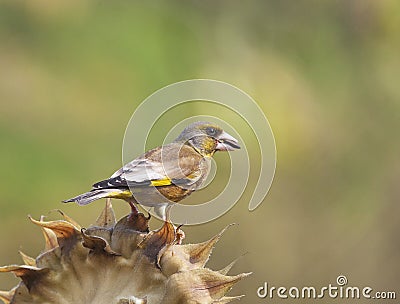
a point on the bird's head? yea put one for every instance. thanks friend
(207, 138)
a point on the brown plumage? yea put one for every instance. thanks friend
(167, 174)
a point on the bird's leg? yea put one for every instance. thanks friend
(168, 213)
(163, 211)
(134, 210)
(180, 235)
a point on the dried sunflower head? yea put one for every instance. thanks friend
(118, 262)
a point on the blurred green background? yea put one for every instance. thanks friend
(326, 74)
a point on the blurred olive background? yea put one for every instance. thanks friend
(326, 74)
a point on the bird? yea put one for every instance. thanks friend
(165, 175)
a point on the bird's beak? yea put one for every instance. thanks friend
(226, 142)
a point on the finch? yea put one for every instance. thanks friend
(167, 174)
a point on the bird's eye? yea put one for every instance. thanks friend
(211, 131)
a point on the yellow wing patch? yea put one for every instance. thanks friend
(118, 194)
(161, 182)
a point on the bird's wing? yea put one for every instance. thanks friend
(162, 166)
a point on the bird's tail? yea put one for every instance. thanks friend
(88, 197)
